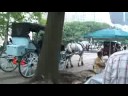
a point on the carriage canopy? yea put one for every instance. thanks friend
(24, 28)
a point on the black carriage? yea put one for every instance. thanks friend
(110, 47)
(21, 50)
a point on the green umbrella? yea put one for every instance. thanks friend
(108, 34)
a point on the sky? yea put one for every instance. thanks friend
(103, 17)
(88, 16)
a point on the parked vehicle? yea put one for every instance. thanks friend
(110, 47)
(21, 51)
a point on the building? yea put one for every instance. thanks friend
(88, 16)
(119, 18)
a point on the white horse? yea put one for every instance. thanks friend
(85, 44)
(75, 49)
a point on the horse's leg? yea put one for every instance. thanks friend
(69, 59)
(79, 61)
(67, 63)
(82, 62)
(71, 62)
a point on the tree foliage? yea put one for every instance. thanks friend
(75, 30)
(33, 17)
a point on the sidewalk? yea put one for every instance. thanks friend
(15, 77)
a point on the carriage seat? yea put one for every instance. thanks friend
(19, 46)
(15, 50)
(21, 41)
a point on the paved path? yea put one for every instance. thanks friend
(11, 77)
(15, 77)
(88, 62)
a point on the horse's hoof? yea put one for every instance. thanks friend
(66, 67)
(71, 66)
(82, 64)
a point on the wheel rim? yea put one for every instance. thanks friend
(28, 69)
(7, 65)
(62, 62)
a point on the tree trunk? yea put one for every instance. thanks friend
(7, 27)
(48, 60)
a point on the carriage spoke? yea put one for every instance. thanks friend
(30, 71)
(26, 71)
(4, 66)
(11, 65)
(7, 66)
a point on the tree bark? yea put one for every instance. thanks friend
(7, 27)
(48, 59)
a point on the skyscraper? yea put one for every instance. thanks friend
(119, 17)
(88, 16)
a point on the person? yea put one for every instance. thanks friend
(40, 39)
(118, 47)
(99, 63)
(125, 47)
(116, 70)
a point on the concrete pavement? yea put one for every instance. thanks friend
(15, 77)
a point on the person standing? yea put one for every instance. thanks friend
(125, 47)
(116, 70)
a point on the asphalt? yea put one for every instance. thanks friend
(15, 77)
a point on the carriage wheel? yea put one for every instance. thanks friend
(6, 64)
(28, 64)
(62, 65)
(63, 61)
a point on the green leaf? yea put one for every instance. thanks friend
(75, 30)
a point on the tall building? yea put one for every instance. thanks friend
(88, 16)
(119, 18)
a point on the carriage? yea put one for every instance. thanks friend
(21, 51)
(110, 47)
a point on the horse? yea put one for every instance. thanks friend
(75, 49)
(85, 44)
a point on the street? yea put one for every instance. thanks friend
(15, 77)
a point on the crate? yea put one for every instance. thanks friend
(15, 50)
